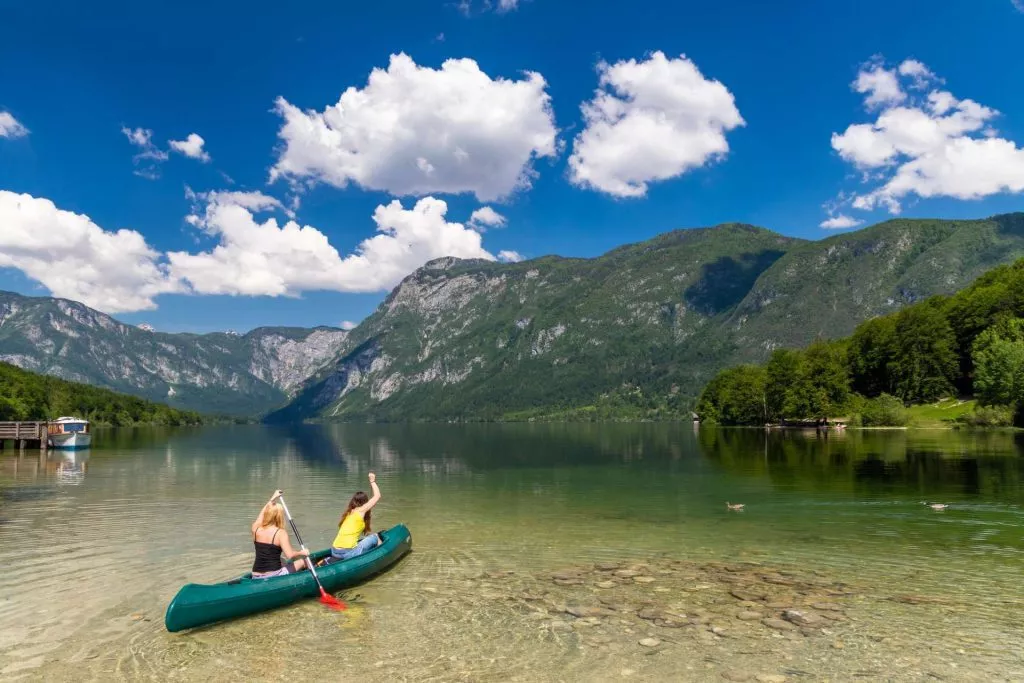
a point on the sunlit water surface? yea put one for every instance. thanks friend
(95, 544)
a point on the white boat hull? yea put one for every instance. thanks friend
(70, 440)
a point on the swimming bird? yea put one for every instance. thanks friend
(737, 506)
(937, 506)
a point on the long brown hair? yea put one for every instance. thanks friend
(358, 500)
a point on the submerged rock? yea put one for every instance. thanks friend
(581, 611)
(649, 642)
(778, 624)
(802, 618)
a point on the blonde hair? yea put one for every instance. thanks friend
(274, 516)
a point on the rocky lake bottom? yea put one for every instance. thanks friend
(615, 561)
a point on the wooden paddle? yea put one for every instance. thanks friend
(325, 597)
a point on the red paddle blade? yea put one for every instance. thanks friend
(331, 601)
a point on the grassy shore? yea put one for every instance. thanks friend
(942, 414)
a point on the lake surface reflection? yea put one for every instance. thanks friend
(144, 511)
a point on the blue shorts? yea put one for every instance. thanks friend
(365, 543)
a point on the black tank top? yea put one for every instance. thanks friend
(268, 555)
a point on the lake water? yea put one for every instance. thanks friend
(510, 523)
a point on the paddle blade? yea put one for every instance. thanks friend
(331, 601)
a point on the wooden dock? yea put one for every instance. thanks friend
(24, 434)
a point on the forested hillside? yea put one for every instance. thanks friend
(28, 396)
(971, 343)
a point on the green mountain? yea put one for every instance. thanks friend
(825, 288)
(27, 396)
(638, 331)
(214, 373)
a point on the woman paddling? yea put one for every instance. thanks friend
(354, 523)
(271, 539)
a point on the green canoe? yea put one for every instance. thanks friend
(197, 604)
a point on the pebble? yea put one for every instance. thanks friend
(643, 579)
(740, 594)
(831, 606)
(718, 631)
(770, 678)
(778, 624)
(737, 675)
(649, 642)
(749, 616)
(559, 625)
(605, 584)
(608, 566)
(579, 611)
(838, 644)
(802, 618)
(627, 573)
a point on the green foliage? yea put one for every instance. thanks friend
(27, 396)
(884, 411)
(783, 370)
(871, 347)
(923, 362)
(736, 397)
(973, 340)
(822, 385)
(999, 364)
(989, 416)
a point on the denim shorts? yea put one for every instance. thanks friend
(365, 543)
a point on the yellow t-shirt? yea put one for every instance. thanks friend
(349, 531)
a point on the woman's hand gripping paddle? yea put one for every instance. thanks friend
(325, 597)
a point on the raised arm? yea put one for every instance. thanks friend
(373, 499)
(259, 518)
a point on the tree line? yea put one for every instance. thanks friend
(26, 395)
(970, 343)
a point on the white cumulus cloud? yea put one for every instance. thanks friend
(414, 130)
(149, 156)
(880, 85)
(274, 259)
(650, 120)
(932, 145)
(509, 256)
(840, 222)
(10, 127)
(76, 259)
(486, 217)
(348, 325)
(192, 147)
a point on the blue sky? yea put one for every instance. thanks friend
(743, 129)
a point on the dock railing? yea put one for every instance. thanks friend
(24, 434)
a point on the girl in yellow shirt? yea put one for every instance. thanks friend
(354, 523)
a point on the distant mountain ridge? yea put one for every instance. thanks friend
(225, 373)
(646, 324)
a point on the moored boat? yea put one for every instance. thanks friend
(69, 433)
(200, 604)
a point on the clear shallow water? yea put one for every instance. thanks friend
(144, 512)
